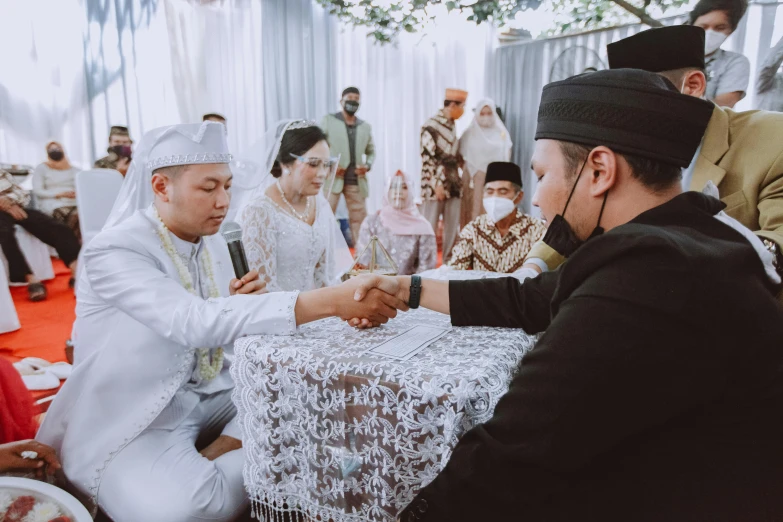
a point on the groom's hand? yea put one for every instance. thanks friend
(399, 287)
(370, 301)
(249, 284)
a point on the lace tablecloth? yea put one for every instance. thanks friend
(342, 436)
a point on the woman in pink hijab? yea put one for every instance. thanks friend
(405, 234)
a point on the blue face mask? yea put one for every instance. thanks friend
(560, 236)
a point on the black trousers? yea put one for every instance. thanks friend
(45, 228)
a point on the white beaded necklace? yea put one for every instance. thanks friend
(303, 216)
(208, 367)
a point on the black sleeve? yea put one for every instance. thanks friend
(611, 364)
(503, 302)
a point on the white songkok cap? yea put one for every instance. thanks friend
(185, 144)
(190, 144)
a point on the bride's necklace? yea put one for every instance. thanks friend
(303, 216)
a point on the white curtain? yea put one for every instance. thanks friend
(299, 49)
(42, 83)
(403, 84)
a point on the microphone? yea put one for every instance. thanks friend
(232, 233)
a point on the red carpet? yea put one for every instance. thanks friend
(45, 325)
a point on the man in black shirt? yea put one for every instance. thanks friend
(655, 391)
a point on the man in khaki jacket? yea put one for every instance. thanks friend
(351, 139)
(741, 153)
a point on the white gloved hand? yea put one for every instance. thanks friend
(525, 273)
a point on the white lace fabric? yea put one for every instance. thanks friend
(288, 253)
(336, 434)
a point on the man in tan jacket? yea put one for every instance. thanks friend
(741, 153)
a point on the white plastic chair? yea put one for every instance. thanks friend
(96, 191)
(9, 321)
(35, 252)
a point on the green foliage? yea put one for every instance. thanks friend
(584, 15)
(387, 18)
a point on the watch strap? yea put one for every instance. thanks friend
(415, 294)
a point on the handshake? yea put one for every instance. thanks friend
(371, 300)
(365, 301)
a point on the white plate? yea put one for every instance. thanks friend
(41, 489)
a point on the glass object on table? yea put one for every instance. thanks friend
(374, 259)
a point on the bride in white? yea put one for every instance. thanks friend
(290, 234)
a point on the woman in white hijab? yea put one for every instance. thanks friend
(486, 140)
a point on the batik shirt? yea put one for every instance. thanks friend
(440, 157)
(9, 189)
(480, 246)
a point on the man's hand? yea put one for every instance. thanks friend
(70, 194)
(375, 306)
(340, 172)
(371, 298)
(249, 284)
(9, 206)
(399, 287)
(123, 164)
(220, 447)
(41, 458)
(362, 170)
(440, 193)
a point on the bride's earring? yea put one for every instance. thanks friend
(286, 172)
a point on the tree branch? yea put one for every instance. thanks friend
(641, 14)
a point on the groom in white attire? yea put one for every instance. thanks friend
(151, 386)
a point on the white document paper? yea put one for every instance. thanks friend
(409, 343)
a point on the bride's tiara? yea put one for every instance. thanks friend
(301, 124)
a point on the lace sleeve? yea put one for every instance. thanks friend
(259, 238)
(428, 253)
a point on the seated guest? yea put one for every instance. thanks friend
(406, 235)
(740, 152)
(728, 73)
(213, 116)
(14, 210)
(54, 187)
(655, 390)
(499, 240)
(291, 236)
(120, 151)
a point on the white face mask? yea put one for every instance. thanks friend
(713, 40)
(485, 121)
(498, 208)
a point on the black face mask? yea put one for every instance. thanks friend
(123, 151)
(351, 107)
(561, 237)
(56, 155)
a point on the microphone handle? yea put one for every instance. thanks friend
(238, 259)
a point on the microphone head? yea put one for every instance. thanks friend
(231, 231)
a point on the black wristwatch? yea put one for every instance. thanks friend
(415, 296)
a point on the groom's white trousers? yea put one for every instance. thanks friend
(161, 477)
